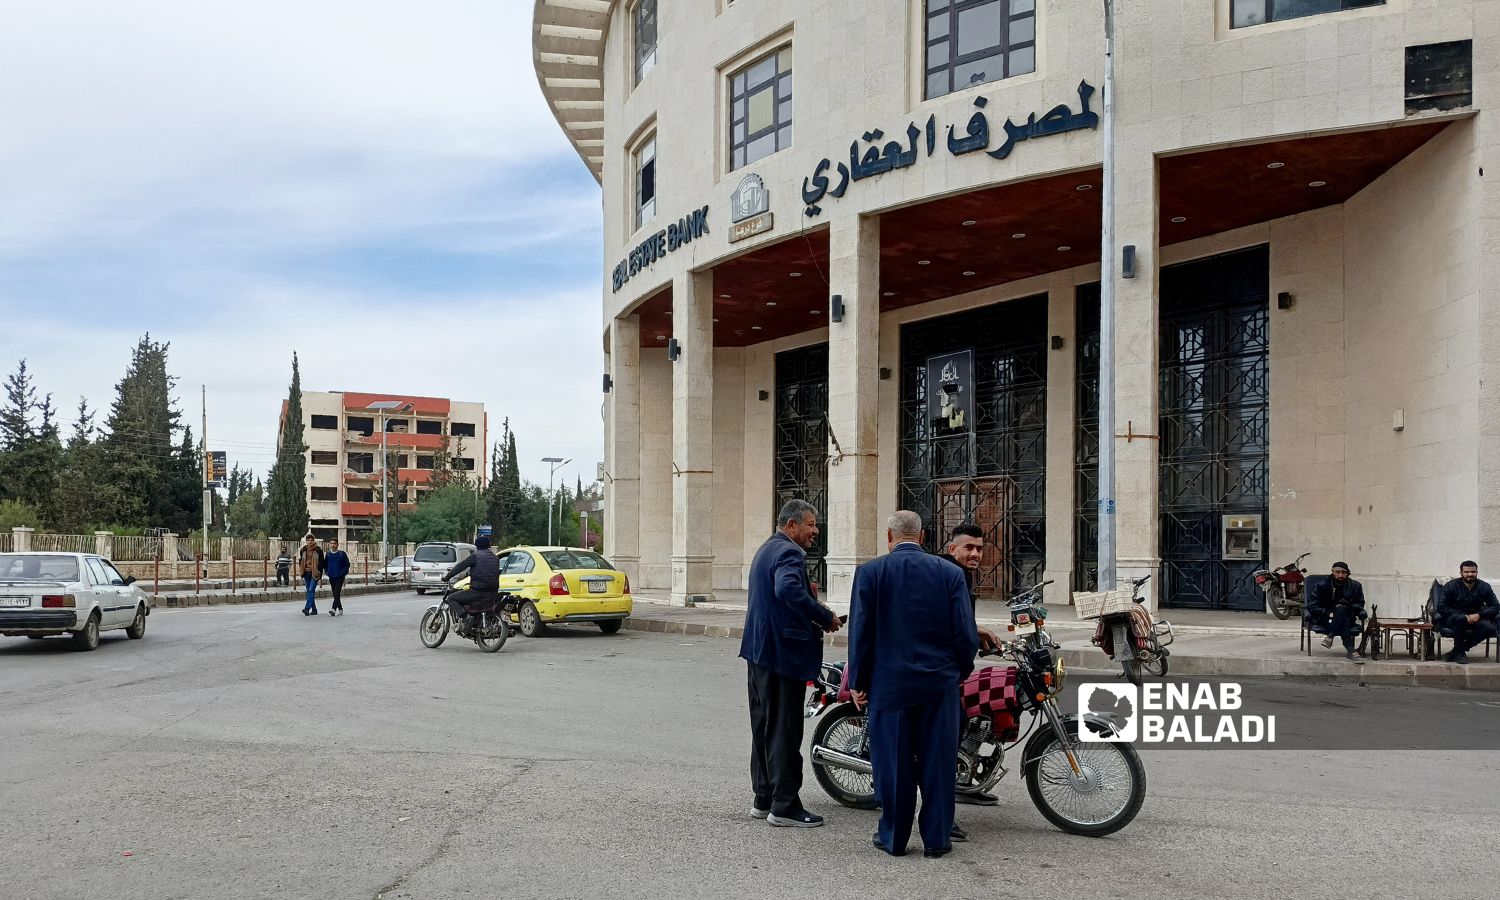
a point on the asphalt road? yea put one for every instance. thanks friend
(248, 751)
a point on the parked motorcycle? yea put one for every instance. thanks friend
(1284, 588)
(1132, 637)
(487, 624)
(1090, 789)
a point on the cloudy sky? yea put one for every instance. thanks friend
(376, 185)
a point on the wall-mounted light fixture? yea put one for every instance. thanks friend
(1057, 342)
(1127, 261)
(608, 382)
(1284, 300)
(674, 349)
(836, 308)
(885, 374)
(764, 396)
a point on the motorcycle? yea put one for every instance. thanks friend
(1284, 588)
(1090, 789)
(1133, 638)
(487, 623)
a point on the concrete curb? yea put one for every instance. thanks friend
(225, 598)
(1477, 676)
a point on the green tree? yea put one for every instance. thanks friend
(84, 494)
(141, 462)
(16, 514)
(30, 453)
(448, 513)
(286, 507)
(245, 512)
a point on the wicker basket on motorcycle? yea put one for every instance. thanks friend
(1103, 603)
(992, 692)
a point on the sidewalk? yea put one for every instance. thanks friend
(1208, 644)
(183, 596)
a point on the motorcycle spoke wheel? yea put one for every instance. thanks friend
(434, 629)
(845, 732)
(1104, 800)
(491, 633)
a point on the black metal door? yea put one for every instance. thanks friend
(801, 449)
(995, 474)
(1215, 406)
(1086, 440)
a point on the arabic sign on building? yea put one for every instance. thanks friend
(684, 231)
(879, 158)
(950, 393)
(750, 209)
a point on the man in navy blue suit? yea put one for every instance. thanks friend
(912, 643)
(783, 645)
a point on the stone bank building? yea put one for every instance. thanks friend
(853, 256)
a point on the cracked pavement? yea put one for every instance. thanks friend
(251, 752)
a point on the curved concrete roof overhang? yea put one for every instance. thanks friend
(567, 49)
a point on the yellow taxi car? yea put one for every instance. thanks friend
(563, 586)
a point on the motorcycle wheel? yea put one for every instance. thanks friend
(1280, 607)
(843, 729)
(1106, 799)
(434, 628)
(1157, 664)
(491, 633)
(1130, 664)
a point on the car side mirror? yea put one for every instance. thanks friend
(119, 582)
(129, 580)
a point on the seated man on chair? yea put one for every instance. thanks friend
(1338, 602)
(1469, 612)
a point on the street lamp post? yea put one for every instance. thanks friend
(1106, 478)
(556, 462)
(384, 407)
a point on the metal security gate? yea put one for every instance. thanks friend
(1086, 440)
(1215, 405)
(990, 466)
(801, 448)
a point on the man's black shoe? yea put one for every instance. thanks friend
(976, 798)
(1460, 658)
(957, 834)
(941, 851)
(884, 849)
(799, 819)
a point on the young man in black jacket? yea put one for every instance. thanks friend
(1341, 599)
(1469, 612)
(484, 576)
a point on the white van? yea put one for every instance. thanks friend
(433, 560)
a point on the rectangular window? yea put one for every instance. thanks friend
(362, 462)
(327, 494)
(973, 42)
(1244, 13)
(426, 462)
(327, 423)
(424, 427)
(396, 425)
(644, 36)
(463, 462)
(401, 460)
(645, 182)
(325, 457)
(362, 424)
(360, 495)
(461, 429)
(760, 108)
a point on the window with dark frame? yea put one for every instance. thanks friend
(325, 457)
(429, 427)
(463, 462)
(760, 108)
(328, 423)
(645, 182)
(326, 494)
(361, 462)
(973, 42)
(360, 495)
(426, 462)
(1244, 13)
(396, 425)
(365, 425)
(644, 17)
(461, 429)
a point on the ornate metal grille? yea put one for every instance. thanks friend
(995, 474)
(1086, 440)
(801, 446)
(1215, 405)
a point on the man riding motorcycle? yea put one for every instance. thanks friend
(484, 579)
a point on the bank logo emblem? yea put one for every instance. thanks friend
(750, 199)
(1120, 704)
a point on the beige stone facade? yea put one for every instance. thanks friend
(1384, 426)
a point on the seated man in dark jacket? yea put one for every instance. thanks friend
(1469, 611)
(484, 577)
(1337, 602)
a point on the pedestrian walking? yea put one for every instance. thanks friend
(783, 648)
(284, 568)
(310, 564)
(336, 566)
(912, 641)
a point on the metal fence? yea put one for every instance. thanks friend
(250, 548)
(135, 547)
(7, 543)
(63, 543)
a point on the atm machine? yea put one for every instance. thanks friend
(1242, 534)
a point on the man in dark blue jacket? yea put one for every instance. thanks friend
(783, 645)
(912, 643)
(336, 567)
(1469, 612)
(1336, 602)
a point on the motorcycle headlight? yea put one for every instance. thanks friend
(1059, 675)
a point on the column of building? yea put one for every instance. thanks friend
(1062, 415)
(692, 438)
(853, 526)
(622, 447)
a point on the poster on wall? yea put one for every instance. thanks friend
(950, 392)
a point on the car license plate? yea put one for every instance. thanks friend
(598, 587)
(15, 601)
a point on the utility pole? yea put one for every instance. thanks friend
(203, 460)
(1107, 272)
(556, 462)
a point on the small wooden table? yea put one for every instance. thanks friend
(1417, 637)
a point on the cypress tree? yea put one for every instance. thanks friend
(286, 509)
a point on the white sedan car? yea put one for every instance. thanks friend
(77, 594)
(395, 570)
